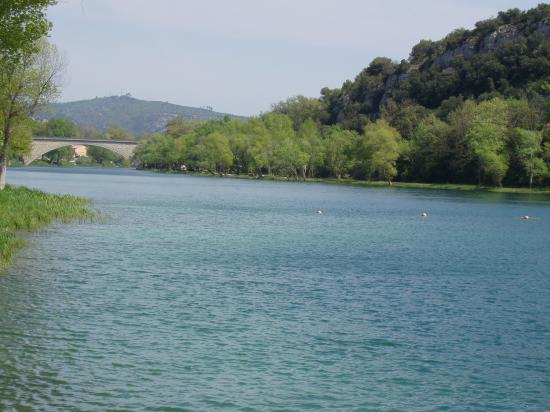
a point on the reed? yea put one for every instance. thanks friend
(26, 210)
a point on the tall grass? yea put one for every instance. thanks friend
(23, 209)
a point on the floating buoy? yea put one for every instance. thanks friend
(423, 214)
(319, 212)
(526, 217)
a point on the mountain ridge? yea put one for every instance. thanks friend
(136, 115)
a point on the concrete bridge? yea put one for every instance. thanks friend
(43, 145)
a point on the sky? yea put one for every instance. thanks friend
(241, 56)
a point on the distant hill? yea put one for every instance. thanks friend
(138, 116)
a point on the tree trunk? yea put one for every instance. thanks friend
(531, 180)
(4, 154)
(3, 167)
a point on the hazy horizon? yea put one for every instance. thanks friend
(242, 57)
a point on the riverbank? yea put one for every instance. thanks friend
(25, 210)
(379, 184)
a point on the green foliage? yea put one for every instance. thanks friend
(56, 127)
(526, 149)
(60, 156)
(104, 157)
(26, 84)
(405, 117)
(300, 109)
(212, 153)
(22, 24)
(427, 151)
(311, 147)
(28, 210)
(378, 150)
(180, 126)
(117, 133)
(339, 144)
(508, 56)
(487, 140)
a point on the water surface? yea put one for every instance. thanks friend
(210, 293)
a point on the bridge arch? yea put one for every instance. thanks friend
(43, 145)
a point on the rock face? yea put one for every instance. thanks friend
(488, 44)
(391, 83)
(467, 50)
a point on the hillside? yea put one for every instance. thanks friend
(138, 116)
(507, 56)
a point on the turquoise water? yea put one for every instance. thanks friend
(211, 294)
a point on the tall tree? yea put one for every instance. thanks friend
(487, 139)
(338, 149)
(378, 150)
(25, 87)
(27, 67)
(312, 147)
(526, 148)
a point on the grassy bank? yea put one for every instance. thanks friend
(23, 209)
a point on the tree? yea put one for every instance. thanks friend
(312, 147)
(104, 156)
(281, 135)
(22, 24)
(180, 126)
(262, 146)
(526, 148)
(213, 153)
(118, 133)
(157, 151)
(487, 140)
(459, 157)
(378, 150)
(405, 117)
(57, 127)
(25, 87)
(522, 115)
(338, 150)
(300, 109)
(428, 149)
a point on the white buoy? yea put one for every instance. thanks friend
(319, 212)
(526, 217)
(423, 214)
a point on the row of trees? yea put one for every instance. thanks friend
(491, 142)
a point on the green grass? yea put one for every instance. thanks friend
(26, 210)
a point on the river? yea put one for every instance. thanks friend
(205, 293)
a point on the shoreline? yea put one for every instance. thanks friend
(461, 187)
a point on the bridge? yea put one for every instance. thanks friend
(43, 145)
